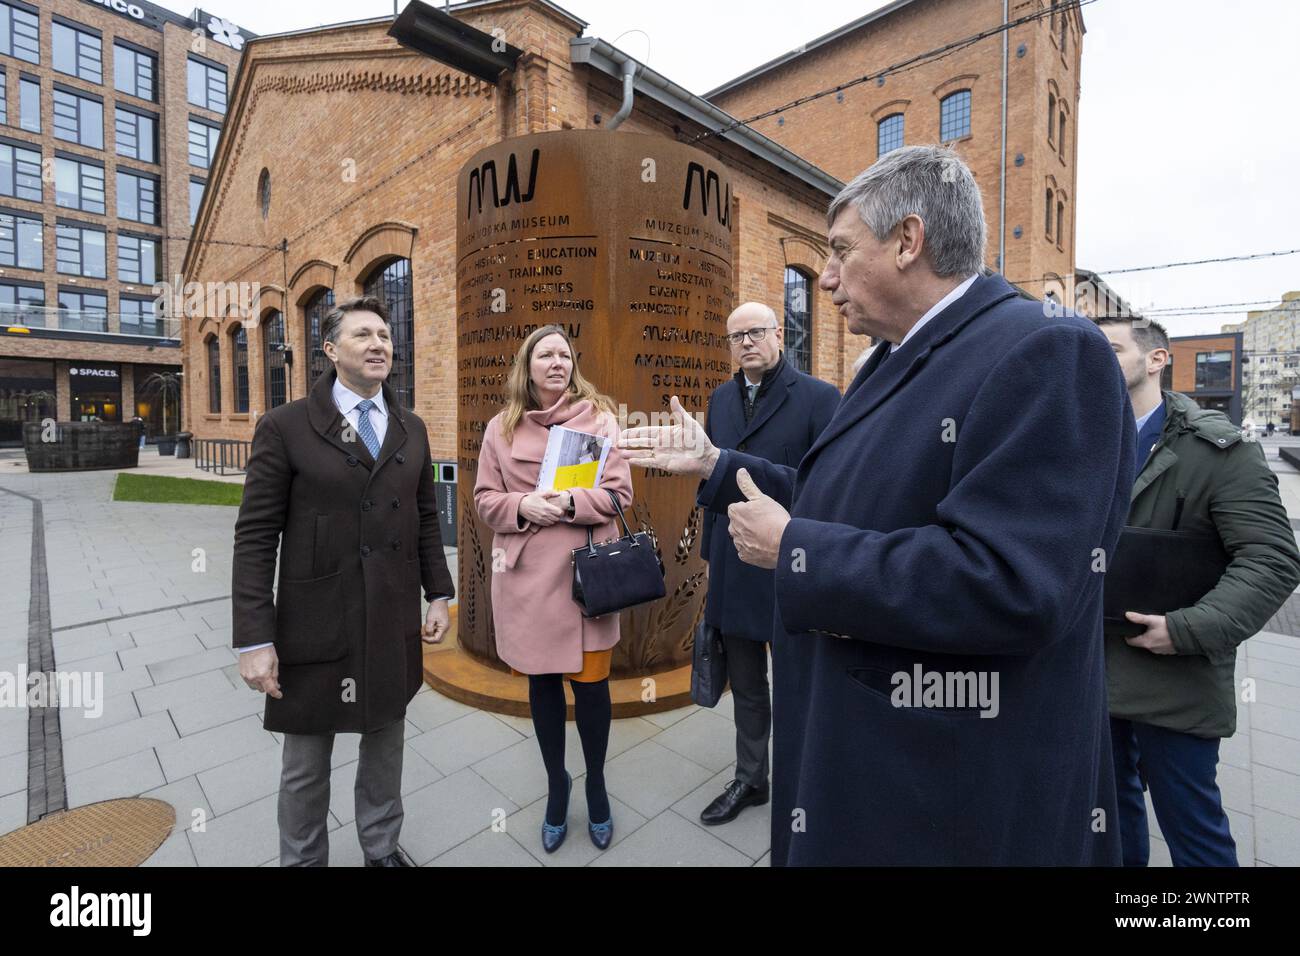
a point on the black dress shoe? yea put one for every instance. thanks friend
(396, 858)
(735, 798)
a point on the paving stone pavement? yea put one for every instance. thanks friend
(140, 594)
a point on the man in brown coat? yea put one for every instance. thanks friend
(342, 481)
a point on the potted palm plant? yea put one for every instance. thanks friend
(167, 386)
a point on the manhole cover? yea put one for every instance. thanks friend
(111, 833)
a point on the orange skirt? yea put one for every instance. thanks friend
(595, 667)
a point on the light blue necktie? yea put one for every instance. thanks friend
(365, 429)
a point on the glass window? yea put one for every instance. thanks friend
(20, 34)
(134, 72)
(77, 53)
(80, 251)
(1062, 136)
(240, 360)
(4, 99)
(318, 306)
(203, 143)
(954, 116)
(139, 317)
(214, 375)
(22, 305)
(137, 135)
(21, 242)
(1050, 202)
(206, 85)
(1214, 370)
(137, 197)
(798, 320)
(273, 337)
(78, 185)
(29, 104)
(1060, 222)
(96, 391)
(20, 172)
(1051, 119)
(78, 119)
(27, 394)
(196, 198)
(83, 311)
(137, 260)
(392, 286)
(889, 134)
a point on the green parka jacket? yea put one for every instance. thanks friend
(1227, 488)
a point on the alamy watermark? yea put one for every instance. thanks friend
(946, 690)
(78, 690)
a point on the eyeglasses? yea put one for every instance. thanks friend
(755, 335)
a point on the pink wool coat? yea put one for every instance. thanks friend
(539, 629)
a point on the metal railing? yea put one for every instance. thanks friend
(221, 456)
(82, 321)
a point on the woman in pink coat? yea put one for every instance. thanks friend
(539, 629)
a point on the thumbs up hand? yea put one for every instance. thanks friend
(757, 524)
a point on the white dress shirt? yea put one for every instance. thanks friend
(347, 402)
(935, 309)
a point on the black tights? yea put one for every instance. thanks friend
(591, 709)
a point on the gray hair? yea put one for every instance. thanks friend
(930, 182)
(329, 327)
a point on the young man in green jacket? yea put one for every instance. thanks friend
(1172, 691)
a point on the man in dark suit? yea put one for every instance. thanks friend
(772, 410)
(939, 686)
(342, 481)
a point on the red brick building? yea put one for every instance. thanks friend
(109, 113)
(957, 100)
(344, 149)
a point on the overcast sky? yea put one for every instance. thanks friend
(1188, 134)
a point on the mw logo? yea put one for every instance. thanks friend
(478, 180)
(710, 183)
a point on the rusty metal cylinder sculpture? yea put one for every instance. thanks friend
(624, 239)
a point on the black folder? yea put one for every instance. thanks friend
(1155, 571)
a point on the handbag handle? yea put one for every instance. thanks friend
(627, 532)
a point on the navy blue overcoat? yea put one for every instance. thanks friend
(790, 415)
(952, 519)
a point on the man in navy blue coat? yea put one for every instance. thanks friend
(939, 684)
(772, 410)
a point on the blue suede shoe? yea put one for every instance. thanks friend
(601, 833)
(553, 836)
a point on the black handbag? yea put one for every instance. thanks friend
(708, 666)
(620, 574)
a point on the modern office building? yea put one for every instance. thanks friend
(110, 114)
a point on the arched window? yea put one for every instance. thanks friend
(1060, 223)
(954, 116)
(1061, 138)
(239, 365)
(214, 375)
(273, 357)
(1050, 200)
(391, 284)
(798, 319)
(1051, 119)
(318, 306)
(889, 134)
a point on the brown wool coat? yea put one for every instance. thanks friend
(357, 541)
(539, 629)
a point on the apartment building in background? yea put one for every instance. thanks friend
(1270, 360)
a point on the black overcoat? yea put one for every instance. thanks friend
(358, 538)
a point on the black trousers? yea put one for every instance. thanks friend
(747, 673)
